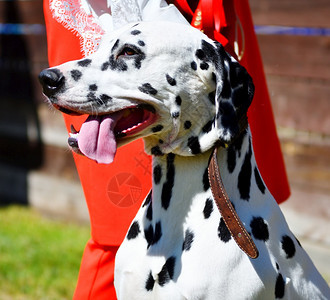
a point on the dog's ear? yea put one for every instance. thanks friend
(233, 95)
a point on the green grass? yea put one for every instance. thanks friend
(39, 258)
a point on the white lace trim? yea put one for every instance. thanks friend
(73, 16)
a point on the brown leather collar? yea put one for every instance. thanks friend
(228, 213)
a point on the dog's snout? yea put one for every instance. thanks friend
(51, 80)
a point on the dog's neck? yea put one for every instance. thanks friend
(182, 200)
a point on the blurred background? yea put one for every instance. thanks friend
(40, 188)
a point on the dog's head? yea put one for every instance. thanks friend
(165, 82)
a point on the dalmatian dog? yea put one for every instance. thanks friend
(182, 93)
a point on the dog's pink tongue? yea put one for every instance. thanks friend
(96, 138)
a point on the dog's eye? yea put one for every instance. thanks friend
(127, 51)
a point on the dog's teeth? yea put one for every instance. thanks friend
(73, 130)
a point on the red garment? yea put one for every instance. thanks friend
(96, 273)
(114, 192)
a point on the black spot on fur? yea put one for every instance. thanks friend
(208, 126)
(170, 80)
(259, 229)
(84, 63)
(178, 100)
(226, 89)
(100, 102)
(200, 54)
(288, 246)
(150, 282)
(115, 45)
(259, 182)
(208, 208)
(223, 231)
(188, 239)
(244, 177)
(167, 272)
(193, 144)
(206, 182)
(214, 78)
(93, 87)
(137, 63)
(76, 75)
(169, 183)
(237, 144)
(157, 128)
(204, 66)
(138, 58)
(133, 231)
(187, 124)
(228, 118)
(209, 52)
(117, 64)
(236, 74)
(158, 232)
(279, 287)
(148, 89)
(105, 66)
(141, 43)
(193, 65)
(149, 212)
(212, 97)
(148, 199)
(91, 97)
(149, 235)
(231, 159)
(105, 98)
(157, 174)
(175, 115)
(243, 91)
(135, 32)
(156, 151)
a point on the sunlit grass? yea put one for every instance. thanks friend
(39, 258)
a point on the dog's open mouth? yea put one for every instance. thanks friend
(97, 138)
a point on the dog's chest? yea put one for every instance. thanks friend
(161, 259)
(166, 254)
(178, 242)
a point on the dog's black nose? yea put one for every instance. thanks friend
(51, 80)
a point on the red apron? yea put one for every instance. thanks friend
(114, 192)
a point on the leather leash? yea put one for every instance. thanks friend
(228, 213)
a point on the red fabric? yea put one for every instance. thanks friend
(114, 192)
(96, 275)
